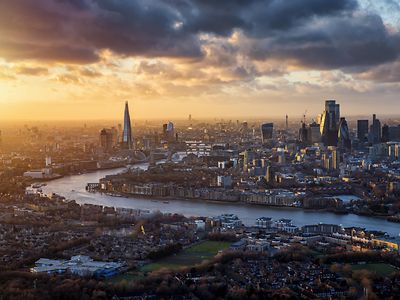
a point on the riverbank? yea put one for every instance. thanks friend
(204, 200)
(248, 214)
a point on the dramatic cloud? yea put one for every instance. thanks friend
(198, 50)
(32, 71)
(315, 33)
(333, 42)
(383, 73)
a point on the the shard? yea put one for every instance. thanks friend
(127, 133)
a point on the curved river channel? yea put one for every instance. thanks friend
(73, 187)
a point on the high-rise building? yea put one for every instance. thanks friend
(375, 135)
(310, 134)
(106, 139)
(303, 134)
(385, 133)
(267, 131)
(329, 122)
(127, 133)
(331, 159)
(344, 142)
(362, 130)
(390, 133)
(314, 134)
(169, 131)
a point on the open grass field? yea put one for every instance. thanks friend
(188, 257)
(128, 276)
(379, 269)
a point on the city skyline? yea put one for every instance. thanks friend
(199, 149)
(213, 60)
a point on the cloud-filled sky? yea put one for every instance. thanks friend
(81, 59)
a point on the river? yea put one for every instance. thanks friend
(73, 187)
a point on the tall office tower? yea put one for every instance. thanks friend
(170, 131)
(106, 139)
(267, 130)
(245, 160)
(362, 130)
(385, 133)
(170, 127)
(375, 135)
(114, 133)
(390, 133)
(164, 130)
(314, 135)
(335, 159)
(344, 142)
(337, 114)
(127, 133)
(303, 134)
(329, 123)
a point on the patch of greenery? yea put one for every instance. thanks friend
(380, 269)
(188, 257)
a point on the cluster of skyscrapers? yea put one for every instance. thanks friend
(329, 128)
(375, 133)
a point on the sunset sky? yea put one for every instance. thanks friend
(81, 59)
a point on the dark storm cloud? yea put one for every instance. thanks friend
(314, 33)
(335, 42)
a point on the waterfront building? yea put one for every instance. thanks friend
(322, 229)
(224, 181)
(127, 141)
(264, 222)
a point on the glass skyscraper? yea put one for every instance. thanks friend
(329, 123)
(267, 131)
(127, 133)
